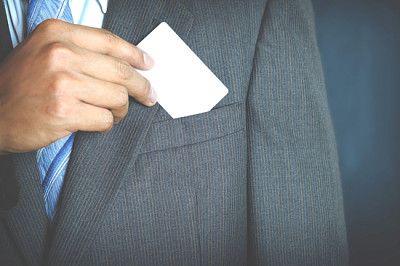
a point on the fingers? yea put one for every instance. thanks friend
(120, 72)
(104, 42)
(104, 64)
(91, 118)
(96, 40)
(64, 78)
(99, 54)
(102, 94)
(86, 104)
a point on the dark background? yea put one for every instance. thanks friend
(360, 48)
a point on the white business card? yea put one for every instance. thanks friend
(184, 84)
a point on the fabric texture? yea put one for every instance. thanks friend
(255, 181)
(52, 168)
(53, 159)
(16, 11)
(84, 12)
(40, 10)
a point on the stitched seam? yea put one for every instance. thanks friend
(191, 144)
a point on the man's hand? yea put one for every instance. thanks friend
(64, 78)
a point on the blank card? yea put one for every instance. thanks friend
(184, 84)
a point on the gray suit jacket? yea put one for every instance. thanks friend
(254, 181)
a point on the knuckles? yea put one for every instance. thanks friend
(56, 53)
(128, 51)
(121, 97)
(51, 47)
(51, 25)
(124, 70)
(60, 108)
(107, 121)
(136, 55)
(146, 89)
(60, 105)
(111, 39)
(60, 83)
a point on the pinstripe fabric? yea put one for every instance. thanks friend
(253, 182)
(295, 193)
(26, 225)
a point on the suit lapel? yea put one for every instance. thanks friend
(27, 221)
(133, 20)
(98, 162)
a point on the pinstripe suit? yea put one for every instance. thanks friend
(254, 181)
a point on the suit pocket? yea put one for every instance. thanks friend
(172, 133)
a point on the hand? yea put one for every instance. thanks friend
(64, 78)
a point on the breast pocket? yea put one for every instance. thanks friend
(171, 133)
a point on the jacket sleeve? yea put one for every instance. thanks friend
(295, 206)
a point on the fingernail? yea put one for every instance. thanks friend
(153, 95)
(148, 60)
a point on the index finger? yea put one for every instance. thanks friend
(105, 42)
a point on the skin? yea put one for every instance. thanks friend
(65, 78)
